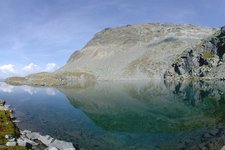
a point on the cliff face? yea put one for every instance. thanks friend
(205, 60)
(131, 52)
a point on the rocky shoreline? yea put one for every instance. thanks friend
(32, 140)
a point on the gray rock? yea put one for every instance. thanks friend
(28, 137)
(12, 116)
(16, 121)
(47, 140)
(223, 148)
(62, 145)
(21, 142)
(223, 59)
(29, 141)
(7, 106)
(11, 144)
(2, 102)
(52, 148)
(25, 132)
(33, 135)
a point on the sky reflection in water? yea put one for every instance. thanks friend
(110, 115)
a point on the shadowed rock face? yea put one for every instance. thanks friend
(150, 107)
(131, 52)
(204, 60)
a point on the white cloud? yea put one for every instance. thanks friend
(50, 92)
(30, 90)
(6, 88)
(31, 68)
(7, 68)
(51, 67)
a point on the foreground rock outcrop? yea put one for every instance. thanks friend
(11, 138)
(134, 52)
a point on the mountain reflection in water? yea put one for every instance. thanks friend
(126, 115)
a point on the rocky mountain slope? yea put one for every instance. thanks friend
(132, 52)
(205, 60)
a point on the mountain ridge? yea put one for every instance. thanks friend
(132, 52)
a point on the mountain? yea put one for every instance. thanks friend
(132, 52)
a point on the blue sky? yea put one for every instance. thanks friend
(40, 35)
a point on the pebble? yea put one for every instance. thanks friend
(8, 136)
(16, 121)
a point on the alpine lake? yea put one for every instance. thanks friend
(145, 115)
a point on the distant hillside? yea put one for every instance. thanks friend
(132, 52)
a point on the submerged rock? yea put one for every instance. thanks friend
(51, 143)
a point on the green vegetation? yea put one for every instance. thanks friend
(13, 148)
(207, 54)
(7, 128)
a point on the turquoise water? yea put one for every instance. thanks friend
(121, 115)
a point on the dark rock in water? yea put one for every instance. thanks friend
(206, 135)
(202, 146)
(77, 147)
(214, 132)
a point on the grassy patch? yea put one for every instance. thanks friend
(13, 148)
(6, 127)
(207, 54)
